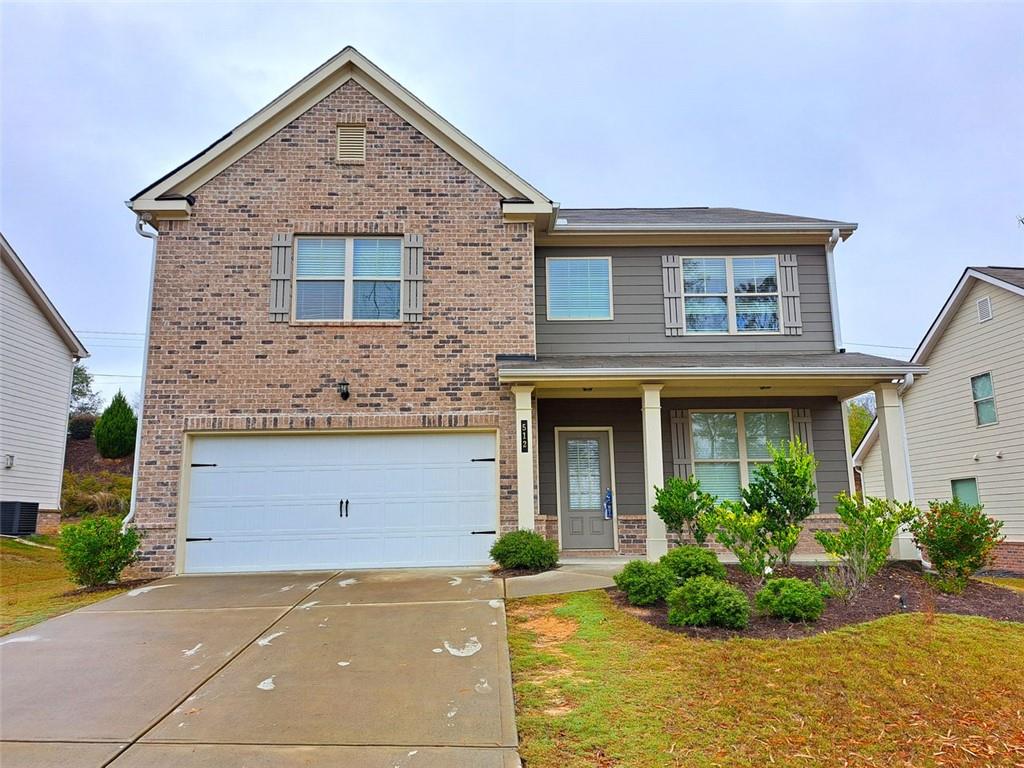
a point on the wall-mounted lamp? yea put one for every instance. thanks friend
(343, 390)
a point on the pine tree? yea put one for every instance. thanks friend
(115, 431)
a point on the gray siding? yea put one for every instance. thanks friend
(623, 416)
(639, 324)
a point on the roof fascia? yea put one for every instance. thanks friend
(612, 374)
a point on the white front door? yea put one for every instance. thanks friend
(307, 502)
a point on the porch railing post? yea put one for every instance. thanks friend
(524, 447)
(654, 467)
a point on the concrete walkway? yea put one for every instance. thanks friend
(382, 668)
(568, 577)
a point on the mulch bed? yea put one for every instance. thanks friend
(82, 458)
(879, 598)
(129, 584)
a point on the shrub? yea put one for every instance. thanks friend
(645, 583)
(784, 491)
(681, 504)
(525, 549)
(862, 544)
(687, 561)
(95, 551)
(115, 430)
(104, 493)
(792, 599)
(743, 533)
(80, 426)
(704, 601)
(958, 540)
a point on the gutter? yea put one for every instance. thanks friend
(832, 227)
(140, 220)
(833, 291)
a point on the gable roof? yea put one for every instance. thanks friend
(866, 444)
(1008, 278)
(698, 218)
(170, 196)
(42, 301)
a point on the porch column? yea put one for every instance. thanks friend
(524, 440)
(654, 468)
(895, 461)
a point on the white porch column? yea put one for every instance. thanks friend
(892, 439)
(524, 446)
(654, 468)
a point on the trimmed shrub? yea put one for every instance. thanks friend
(958, 540)
(525, 549)
(704, 601)
(687, 561)
(645, 583)
(95, 551)
(862, 545)
(784, 491)
(104, 493)
(743, 533)
(792, 599)
(115, 430)
(80, 426)
(682, 505)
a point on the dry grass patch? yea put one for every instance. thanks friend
(907, 690)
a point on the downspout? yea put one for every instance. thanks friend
(833, 291)
(140, 221)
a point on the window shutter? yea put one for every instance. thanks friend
(673, 292)
(281, 278)
(412, 279)
(680, 432)
(802, 427)
(789, 287)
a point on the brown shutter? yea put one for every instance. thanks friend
(802, 427)
(680, 429)
(673, 293)
(792, 324)
(412, 279)
(281, 278)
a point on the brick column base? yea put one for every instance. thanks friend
(1008, 558)
(47, 522)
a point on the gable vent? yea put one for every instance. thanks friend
(351, 143)
(984, 310)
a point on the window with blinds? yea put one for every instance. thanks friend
(343, 278)
(579, 288)
(731, 295)
(583, 462)
(729, 445)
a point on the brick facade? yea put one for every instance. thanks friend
(1008, 558)
(216, 362)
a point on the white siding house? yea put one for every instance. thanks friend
(38, 351)
(965, 419)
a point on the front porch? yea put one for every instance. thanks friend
(596, 441)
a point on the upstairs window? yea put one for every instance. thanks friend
(579, 288)
(338, 279)
(984, 399)
(731, 295)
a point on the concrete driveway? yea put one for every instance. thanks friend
(361, 668)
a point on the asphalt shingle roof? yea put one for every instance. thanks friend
(1011, 275)
(685, 216)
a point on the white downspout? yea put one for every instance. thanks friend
(140, 220)
(833, 291)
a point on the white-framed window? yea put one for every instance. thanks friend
(731, 295)
(579, 287)
(347, 278)
(966, 490)
(727, 446)
(984, 395)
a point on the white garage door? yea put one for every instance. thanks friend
(307, 502)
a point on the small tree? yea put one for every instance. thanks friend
(743, 533)
(115, 431)
(681, 504)
(83, 398)
(958, 539)
(95, 551)
(784, 490)
(862, 545)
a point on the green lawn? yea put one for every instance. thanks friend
(1005, 581)
(34, 585)
(597, 687)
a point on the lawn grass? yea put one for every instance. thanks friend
(596, 687)
(1005, 581)
(33, 584)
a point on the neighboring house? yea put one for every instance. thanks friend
(965, 419)
(38, 352)
(372, 344)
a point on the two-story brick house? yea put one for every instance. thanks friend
(372, 344)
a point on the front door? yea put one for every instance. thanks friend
(585, 478)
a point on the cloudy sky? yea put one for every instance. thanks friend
(905, 118)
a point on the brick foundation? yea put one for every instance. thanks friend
(47, 522)
(1008, 558)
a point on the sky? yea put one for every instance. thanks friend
(907, 119)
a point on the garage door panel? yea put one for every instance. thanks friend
(271, 503)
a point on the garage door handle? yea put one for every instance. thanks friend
(198, 538)
(342, 507)
(478, 533)
(346, 507)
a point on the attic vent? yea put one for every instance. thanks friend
(984, 310)
(351, 143)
